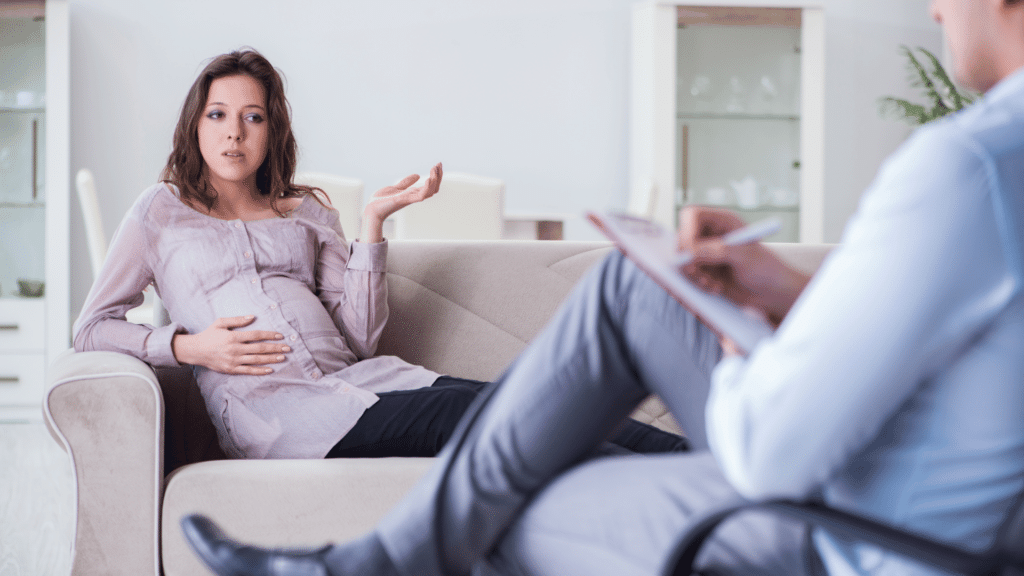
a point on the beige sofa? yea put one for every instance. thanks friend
(144, 453)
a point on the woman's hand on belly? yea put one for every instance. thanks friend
(223, 349)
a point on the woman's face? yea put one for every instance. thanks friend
(233, 130)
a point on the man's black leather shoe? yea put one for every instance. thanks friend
(227, 557)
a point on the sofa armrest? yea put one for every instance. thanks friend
(106, 409)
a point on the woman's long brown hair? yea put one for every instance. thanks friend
(185, 165)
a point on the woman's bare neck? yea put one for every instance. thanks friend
(234, 203)
(242, 207)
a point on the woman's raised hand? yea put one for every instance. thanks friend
(223, 349)
(391, 199)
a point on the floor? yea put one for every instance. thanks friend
(36, 503)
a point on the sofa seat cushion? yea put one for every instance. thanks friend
(282, 502)
(653, 411)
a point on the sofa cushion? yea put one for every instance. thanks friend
(282, 502)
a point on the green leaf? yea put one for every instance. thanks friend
(942, 94)
(939, 107)
(903, 110)
(957, 99)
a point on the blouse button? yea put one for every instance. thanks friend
(293, 337)
(248, 254)
(254, 280)
(238, 224)
(315, 374)
(273, 306)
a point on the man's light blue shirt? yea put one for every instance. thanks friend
(895, 387)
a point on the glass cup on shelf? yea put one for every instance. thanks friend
(783, 197)
(735, 101)
(701, 91)
(764, 97)
(718, 196)
(746, 191)
(25, 99)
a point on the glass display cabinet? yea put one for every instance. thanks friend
(738, 112)
(34, 184)
(727, 110)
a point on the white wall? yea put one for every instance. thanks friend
(532, 91)
(862, 63)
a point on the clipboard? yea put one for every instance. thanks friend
(654, 250)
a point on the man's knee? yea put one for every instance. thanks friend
(614, 263)
(621, 281)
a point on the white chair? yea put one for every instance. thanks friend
(95, 237)
(346, 194)
(96, 241)
(467, 207)
(643, 198)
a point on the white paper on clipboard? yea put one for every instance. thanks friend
(654, 250)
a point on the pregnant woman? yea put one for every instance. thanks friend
(278, 314)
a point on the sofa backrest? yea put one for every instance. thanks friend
(467, 308)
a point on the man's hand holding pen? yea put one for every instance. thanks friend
(725, 257)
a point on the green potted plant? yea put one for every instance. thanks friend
(941, 94)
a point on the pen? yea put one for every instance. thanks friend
(740, 236)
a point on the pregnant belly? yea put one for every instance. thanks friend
(287, 306)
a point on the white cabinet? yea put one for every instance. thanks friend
(22, 351)
(727, 109)
(34, 200)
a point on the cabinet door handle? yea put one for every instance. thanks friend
(9, 379)
(684, 176)
(35, 158)
(8, 326)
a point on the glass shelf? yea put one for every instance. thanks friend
(38, 204)
(766, 209)
(735, 116)
(788, 216)
(15, 295)
(10, 110)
